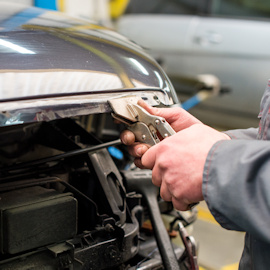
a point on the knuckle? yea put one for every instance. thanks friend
(179, 205)
(165, 196)
(170, 182)
(155, 111)
(165, 162)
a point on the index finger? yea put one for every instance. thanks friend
(178, 118)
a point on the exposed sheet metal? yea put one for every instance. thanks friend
(51, 108)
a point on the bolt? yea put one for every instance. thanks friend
(143, 137)
(157, 122)
(109, 228)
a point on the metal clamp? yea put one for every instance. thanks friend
(146, 127)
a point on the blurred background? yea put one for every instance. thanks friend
(225, 38)
(216, 53)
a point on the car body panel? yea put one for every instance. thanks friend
(49, 60)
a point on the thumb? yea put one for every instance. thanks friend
(177, 117)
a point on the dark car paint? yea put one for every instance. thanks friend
(69, 67)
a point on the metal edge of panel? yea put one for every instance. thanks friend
(39, 109)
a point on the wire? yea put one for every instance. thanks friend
(61, 156)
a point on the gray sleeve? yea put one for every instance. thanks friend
(236, 185)
(243, 134)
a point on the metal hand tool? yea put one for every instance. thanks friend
(140, 181)
(146, 127)
(190, 247)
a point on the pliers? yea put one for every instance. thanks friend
(146, 127)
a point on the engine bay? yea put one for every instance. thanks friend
(65, 201)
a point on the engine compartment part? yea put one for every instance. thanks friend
(66, 203)
(25, 218)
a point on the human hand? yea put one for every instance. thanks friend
(178, 118)
(178, 161)
(177, 164)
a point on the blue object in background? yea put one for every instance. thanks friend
(192, 102)
(196, 99)
(20, 18)
(115, 152)
(48, 4)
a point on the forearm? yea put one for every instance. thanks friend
(236, 185)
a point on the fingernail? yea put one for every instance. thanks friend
(124, 139)
(139, 151)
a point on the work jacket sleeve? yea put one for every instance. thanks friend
(236, 185)
(243, 134)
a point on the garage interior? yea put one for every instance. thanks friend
(218, 249)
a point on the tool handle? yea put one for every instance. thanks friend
(163, 241)
(143, 134)
(164, 128)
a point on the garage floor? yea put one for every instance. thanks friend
(219, 249)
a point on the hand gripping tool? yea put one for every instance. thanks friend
(146, 127)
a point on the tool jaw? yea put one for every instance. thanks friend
(146, 127)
